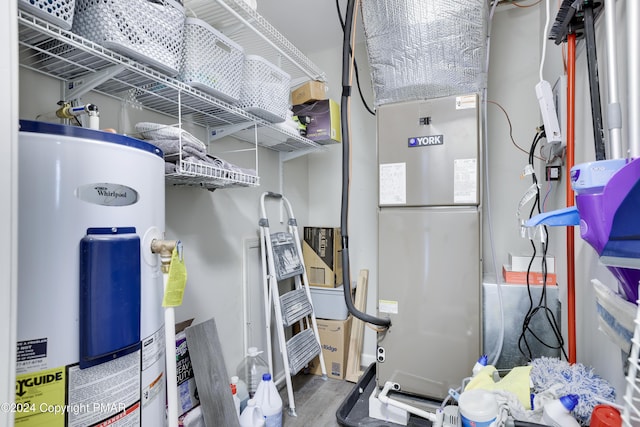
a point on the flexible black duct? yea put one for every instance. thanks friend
(344, 210)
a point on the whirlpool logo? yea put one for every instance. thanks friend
(107, 194)
(426, 141)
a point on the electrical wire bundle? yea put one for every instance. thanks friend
(541, 308)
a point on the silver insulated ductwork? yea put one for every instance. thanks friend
(425, 49)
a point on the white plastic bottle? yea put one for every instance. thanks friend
(557, 413)
(242, 391)
(251, 415)
(251, 370)
(236, 400)
(269, 401)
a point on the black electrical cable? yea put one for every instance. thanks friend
(355, 64)
(344, 210)
(542, 305)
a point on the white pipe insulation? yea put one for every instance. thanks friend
(384, 398)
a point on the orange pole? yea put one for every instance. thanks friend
(571, 267)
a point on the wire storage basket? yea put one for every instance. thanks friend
(147, 31)
(211, 62)
(58, 12)
(265, 90)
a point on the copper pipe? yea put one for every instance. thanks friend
(571, 267)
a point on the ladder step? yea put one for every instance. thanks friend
(295, 305)
(301, 349)
(286, 259)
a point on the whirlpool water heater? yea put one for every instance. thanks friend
(90, 347)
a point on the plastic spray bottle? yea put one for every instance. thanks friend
(557, 413)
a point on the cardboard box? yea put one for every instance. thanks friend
(334, 337)
(324, 127)
(521, 263)
(520, 277)
(187, 393)
(310, 91)
(322, 253)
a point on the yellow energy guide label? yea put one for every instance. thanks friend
(40, 399)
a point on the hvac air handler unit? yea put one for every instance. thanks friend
(429, 255)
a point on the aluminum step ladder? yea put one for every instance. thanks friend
(282, 259)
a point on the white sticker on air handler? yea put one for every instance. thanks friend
(387, 306)
(465, 177)
(393, 184)
(107, 194)
(466, 101)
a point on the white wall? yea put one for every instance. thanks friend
(9, 207)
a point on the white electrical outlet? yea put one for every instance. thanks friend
(548, 111)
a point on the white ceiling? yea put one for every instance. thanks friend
(311, 25)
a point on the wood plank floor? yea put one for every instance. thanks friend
(316, 400)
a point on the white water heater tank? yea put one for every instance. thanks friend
(90, 347)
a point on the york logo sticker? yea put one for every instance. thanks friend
(425, 141)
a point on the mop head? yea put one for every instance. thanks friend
(550, 374)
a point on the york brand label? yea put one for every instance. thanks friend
(426, 141)
(107, 194)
